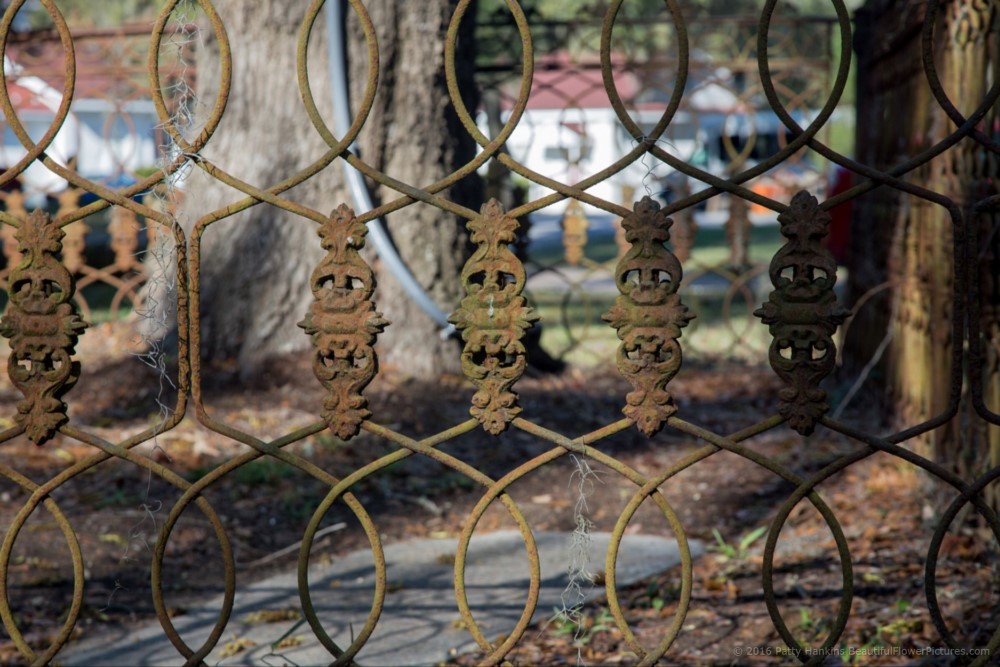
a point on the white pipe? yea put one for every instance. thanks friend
(336, 48)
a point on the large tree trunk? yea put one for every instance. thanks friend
(414, 135)
(256, 265)
(902, 239)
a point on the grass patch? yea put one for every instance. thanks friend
(710, 247)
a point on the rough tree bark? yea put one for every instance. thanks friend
(256, 265)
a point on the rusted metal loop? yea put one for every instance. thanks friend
(578, 190)
(680, 83)
(124, 196)
(802, 138)
(968, 492)
(934, 551)
(41, 492)
(76, 555)
(36, 152)
(940, 95)
(193, 494)
(305, 90)
(875, 177)
(490, 146)
(648, 489)
(225, 78)
(256, 195)
(805, 488)
(11, 118)
(340, 490)
(192, 657)
(425, 447)
(498, 490)
(342, 656)
(410, 194)
(732, 185)
(581, 446)
(274, 450)
(767, 84)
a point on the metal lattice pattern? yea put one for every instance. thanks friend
(802, 314)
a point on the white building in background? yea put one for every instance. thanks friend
(109, 141)
(570, 131)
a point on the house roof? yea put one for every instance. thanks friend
(560, 83)
(110, 63)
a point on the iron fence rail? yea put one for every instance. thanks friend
(802, 314)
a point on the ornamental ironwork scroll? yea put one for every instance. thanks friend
(493, 318)
(803, 313)
(43, 328)
(648, 316)
(343, 323)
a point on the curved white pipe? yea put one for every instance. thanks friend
(336, 51)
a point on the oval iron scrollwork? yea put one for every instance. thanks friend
(43, 328)
(802, 313)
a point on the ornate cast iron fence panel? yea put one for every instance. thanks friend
(803, 313)
(724, 241)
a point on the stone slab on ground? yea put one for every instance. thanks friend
(420, 623)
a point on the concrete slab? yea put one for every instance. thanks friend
(420, 623)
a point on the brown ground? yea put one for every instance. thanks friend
(116, 510)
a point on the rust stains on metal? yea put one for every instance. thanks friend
(648, 315)
(803, 313)
(493, 318)
(343, 323)
(43, 328)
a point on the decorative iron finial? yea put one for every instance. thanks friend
(43, 328)
(802, 313)
(343, 323)
(648, 316)
(493, 318)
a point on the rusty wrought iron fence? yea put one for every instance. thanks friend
(649, 314)
(723, 124)
(115, 138)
